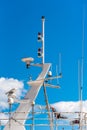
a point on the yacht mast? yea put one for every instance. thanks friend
(43, 34)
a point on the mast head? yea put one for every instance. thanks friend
(43, 17)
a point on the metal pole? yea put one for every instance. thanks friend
(33, 115)
(10, 105)
(48, 108)
(0, 125)
(85, 120)
(56, 124)
(80, 94)
(43, 54)
(82, 66)
(43, 61)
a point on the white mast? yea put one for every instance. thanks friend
(43, 61)
(43, 34)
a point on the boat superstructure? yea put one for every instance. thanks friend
(25, 107)
(25, 116)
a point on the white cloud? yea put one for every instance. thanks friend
(63, 106)
(70, 106)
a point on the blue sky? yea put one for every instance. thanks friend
(20, 21)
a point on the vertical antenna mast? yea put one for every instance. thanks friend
(60, 65)
(82, 68)
(43, 54)
(58, 69)
(80, 94)
(43, 61)
(79, 80)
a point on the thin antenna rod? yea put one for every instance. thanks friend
(60, 68)
(80, 94)
(82, 66)
(82, 69)
(57, 74)
(79, 80)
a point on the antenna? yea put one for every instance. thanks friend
(79, 80)
(60, 70)
(41, 53)
(57, 74)
(80, 93)
(82, 68)
(43, 61)
(82, 59)
(28, 61)
(60, 64)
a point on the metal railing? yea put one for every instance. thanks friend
(60, 121)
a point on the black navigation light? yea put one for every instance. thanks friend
(39, 36)
(39, 52)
